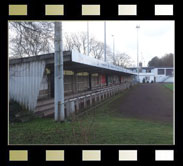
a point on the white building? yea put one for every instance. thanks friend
(151, 74)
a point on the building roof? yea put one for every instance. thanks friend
(77, 62)
(131, 68)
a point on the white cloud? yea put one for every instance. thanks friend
(156, 38)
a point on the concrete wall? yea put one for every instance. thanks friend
(169, 80)
(82, 83)
(79, 82)
(68, 80)
(73, 83)
(165, 77)
(162, 77)
(95, 80)
(147, 76)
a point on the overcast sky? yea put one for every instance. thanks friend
(156, 38)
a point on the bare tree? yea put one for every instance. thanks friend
(30, 38)
(34, 38)
(96, 49)
(79, 42)
(76, 41)
(122, 59)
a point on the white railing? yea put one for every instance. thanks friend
(74, 105)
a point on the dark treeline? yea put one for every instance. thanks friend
(165, 61)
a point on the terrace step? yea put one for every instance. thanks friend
(44, 108)
(46, 112)
(45, 102)
(49, 113)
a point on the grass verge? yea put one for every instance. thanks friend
(169, 86)
(98, 126)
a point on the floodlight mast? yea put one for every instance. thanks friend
(113, 47)
(105, 59)
(58, 74)
(138, 27)
(88, 39)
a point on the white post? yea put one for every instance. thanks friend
(105, 41)
(88, 38)
(138, 27)
(113, 48)
(59, 73)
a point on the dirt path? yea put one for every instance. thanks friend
(148, 101)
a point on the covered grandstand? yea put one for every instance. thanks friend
(86, 81)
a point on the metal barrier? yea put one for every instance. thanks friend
(76, 104)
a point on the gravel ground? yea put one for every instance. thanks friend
(149, 102)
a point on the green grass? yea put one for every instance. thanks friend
(102, 125)
(169, 86)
